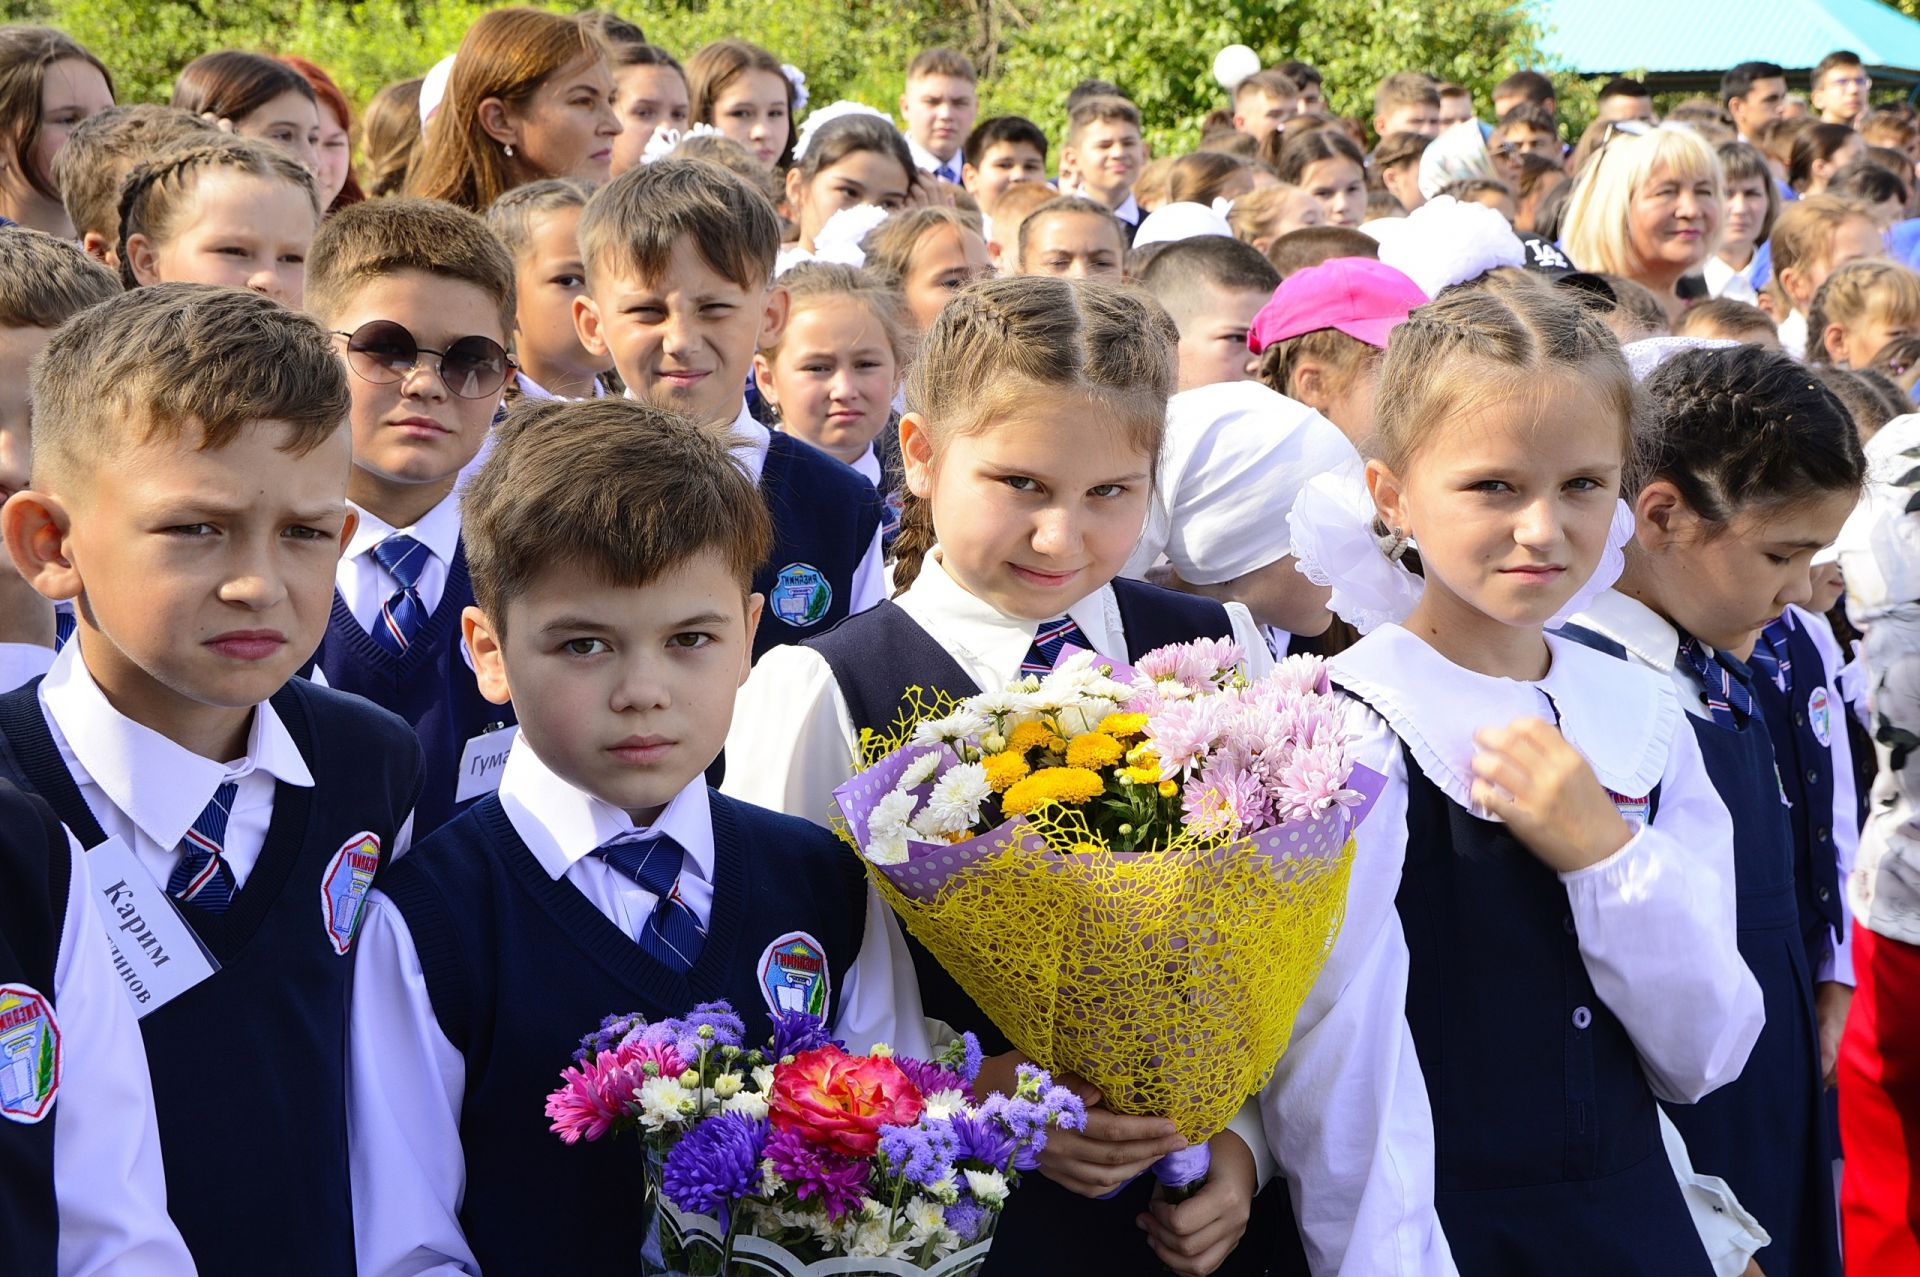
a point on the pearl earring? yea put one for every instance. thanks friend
(509, 150)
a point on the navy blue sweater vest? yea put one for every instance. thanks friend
(519, 966)
(249, 1066)
(1797, 719)
(35, 873)
(824, 519)
(875, 658)
(431, 686)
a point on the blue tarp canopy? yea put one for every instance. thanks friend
(1682, 43)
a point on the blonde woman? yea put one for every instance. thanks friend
(1647, 206)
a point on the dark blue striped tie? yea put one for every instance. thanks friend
(63, 626)
(672, 936)
(402, 615)
(1773, 656)
(1727, 694)
(203, 876)
(1047, 642)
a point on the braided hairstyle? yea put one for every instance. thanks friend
(157, 193)
(1743, 427)
(1007, 343)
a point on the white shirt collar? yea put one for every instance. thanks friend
(562, 825)
(160, 785)
(996, 642)
(926, 161)
(867, 466)
(438, 529)
(1129, 212)
(531, 389)
(750, 443)
(1621, 718)
(1634, 626)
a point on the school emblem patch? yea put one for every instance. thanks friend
(801, 595)
(1820, 715)
(30, 1054)
(344, 887)
(793, 974)
(1631, 809)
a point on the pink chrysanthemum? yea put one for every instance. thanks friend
(1183, 732)
(1312, 783)
(595, 1095)
(1225, 801)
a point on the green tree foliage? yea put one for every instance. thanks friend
(1031, 51)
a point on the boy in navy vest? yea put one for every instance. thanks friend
(613, 548)
(680, 294)
(420, 298)
(189, 490)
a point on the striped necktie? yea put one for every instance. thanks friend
(402, 615)
(1773, 656)
(672, 936)
(1725, 689)
(203, 876)
(1047, 642)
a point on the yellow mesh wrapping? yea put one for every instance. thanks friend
(1170, 979)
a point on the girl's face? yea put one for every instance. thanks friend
(646, 98)
(1856, 240)
(1828, 586)
(752, 110)
(1039, 509)
(946, 260)
(1339, 187)
(72, 90)
(1746, 209)
(1673, 220)
(336, 156)
(1510, 510)
(1298, 213)
(1854, 345)
(833, 376)
(290, 122)
(859, 177)
(567, 127)
(240, 231)
(1724, 585)
(547, 277)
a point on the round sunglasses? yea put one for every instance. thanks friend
(384, 352)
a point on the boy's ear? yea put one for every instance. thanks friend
(969, 177)
(916, 454)
(489, 666)
(141, 258)
(756, 605)
(586, 326)
(100, 249)
(497, 124)
(774, 321)
(37, 526)
(763, 378)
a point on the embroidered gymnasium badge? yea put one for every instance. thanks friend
(801, 595)
(30, 1054)
(1820, 715)
(793, 974)
(1633, 810)
(344, 887)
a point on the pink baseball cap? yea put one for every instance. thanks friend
(1362, 298)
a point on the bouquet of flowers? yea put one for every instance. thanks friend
(1137, 873)
(791, 1159)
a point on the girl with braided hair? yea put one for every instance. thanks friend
(224, 211)
(1748, 466)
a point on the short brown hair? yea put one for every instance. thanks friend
(102, 149)
(158, 192)
(161, 359)
(1063, 206)
(1270, 83)
(377, 238)
(390, 136)
(1311, 245)
(1405, 88)
(45, 281)
(942, 62)
(25, 55)
(626, 490)
(635, 221)
(1399, 148)
(1725, 317)
(1100, 110)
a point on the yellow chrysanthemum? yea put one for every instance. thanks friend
(1122, 725)
(1145, 769)
(1094, 751)
(1168, 789)
(1067, 786)
(1028, 736)
(1004, 769)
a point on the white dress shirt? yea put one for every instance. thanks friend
(108, 1181)
(867, 466)
(531, 389)
(1793, 335)
(366, 586)
(1129, 211)
(147, 790)
(927, 162)
(406, 1082)
(751, 440)
(1734, 285)
(21, 663)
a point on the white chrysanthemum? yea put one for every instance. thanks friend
(663, 1103)
(770, 1181)
(943, 1190)
(919, 772)
(763, 1078)
(956, 726)
(748, 1104)
(928, 1220)
(887, 828)
(990, 1187)
(889, 848)
(1085, 715)
(955, 804)
(947, 1103)
(727, 1085)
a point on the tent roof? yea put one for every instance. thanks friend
(1665, 37)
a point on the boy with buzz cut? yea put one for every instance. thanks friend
(939, 105)
(680, 294)
(1406, 102)
(1001, 153)
(43, 283)
(1213, 286)
(189, 487)
(1105, 152)
(614, 548)
(1264, 102)
(419, 299)
(102, 149)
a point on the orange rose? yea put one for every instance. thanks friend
(841, 1101)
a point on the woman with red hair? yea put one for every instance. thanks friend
(334, 173)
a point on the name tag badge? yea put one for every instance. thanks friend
(482, 762)
(155, 953)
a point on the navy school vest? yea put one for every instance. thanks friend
(35, 876)
(431, 686)
(519, 966)
(249, 1066)
(824, 519)
(1046, 1229)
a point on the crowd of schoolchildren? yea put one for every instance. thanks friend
(445, 586)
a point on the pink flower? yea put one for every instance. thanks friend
(1312, 783)
(1299, 675)
(1183, 732)
(599, 1093)
(1197, 664)
(1225, 801)
(841, 1101)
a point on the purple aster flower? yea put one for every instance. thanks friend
(612, 1031)
(967, 1218)
(715, 1165)
(929, 1078)
(728, 1030)
(923, 1153)
(812, 1171)
(984, 1139)
(797, 1031)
